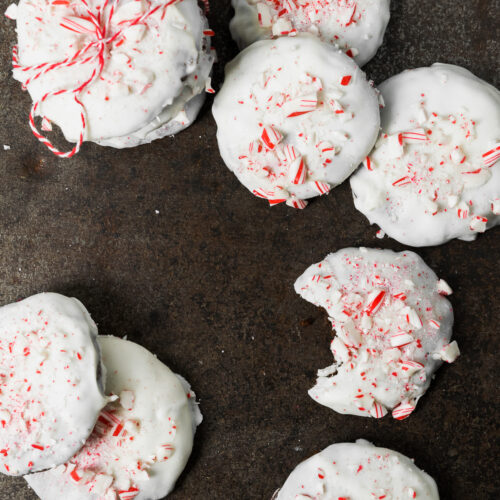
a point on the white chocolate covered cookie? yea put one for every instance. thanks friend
(358, 471)
(50, 382)
(393, 327)
(119, 75)
(294, 118)
(142, 440)
(356, 26)
(434, 174)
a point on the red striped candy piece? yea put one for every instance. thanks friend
(402, 411)
(375, 301)
(378, 410)
(401, 339)
(302, 105)
(491, 156)
(415, 136)
(128, 494)
(322, 187)
(297, 173)
(270, 137)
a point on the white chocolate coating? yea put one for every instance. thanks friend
(356, 26)
(392, 329)
(314, 98)
(435, 173)
(358, 471)
(154, 77)
(50, 382)
(141, 442)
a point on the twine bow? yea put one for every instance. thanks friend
(98, 26)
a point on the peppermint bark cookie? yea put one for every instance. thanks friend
(356, 26)
(358, 471)
(142, 440)
(294, 116)
(50, 382)
(393, 327)
(434, 174)
(119, 73)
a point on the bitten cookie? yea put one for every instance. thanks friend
(142, 440)
(120, 74)
(356, 26)
(358, 471)
(294, 118)
(393, 327)
(434, 174)
(50, 382)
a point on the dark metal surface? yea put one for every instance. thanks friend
(207, 283)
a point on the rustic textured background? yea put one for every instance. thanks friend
(206, 283)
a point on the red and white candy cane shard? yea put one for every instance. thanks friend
(378, 410)
(443, 288)
(450, 352)
(413, 318)
(270, 137)
(255, 147)
(208, 86)
(368, 163)
(322, 187)
(128, 494)
(304, 105)
(321, 473)
(401, 339)
(463, 211)
(403, 410)
(93, 53)
(478, 224)
(375, 301)
(259, 192)
(326, 148)
(434, 324)
(264, 15)
(410, 367)
(275, 199)
(290, 153)
(296, 203)
(404, 181)
(297, 172)
(290, 5)
(415, 136)
(400, 296)
(270, 196)
(108, 420)
(491, 156)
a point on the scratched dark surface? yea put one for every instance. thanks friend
(207, 283)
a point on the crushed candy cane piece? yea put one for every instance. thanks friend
(443, 288)
(403, 410)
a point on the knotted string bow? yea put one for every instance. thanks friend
(98, 26)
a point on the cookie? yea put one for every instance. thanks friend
(356, 26)
(142, 439)
(358, 471)
(393, 328)
(295, 116)
(120, 76)
(434, 174)
(50, 382)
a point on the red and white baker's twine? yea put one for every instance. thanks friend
(92, 54)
